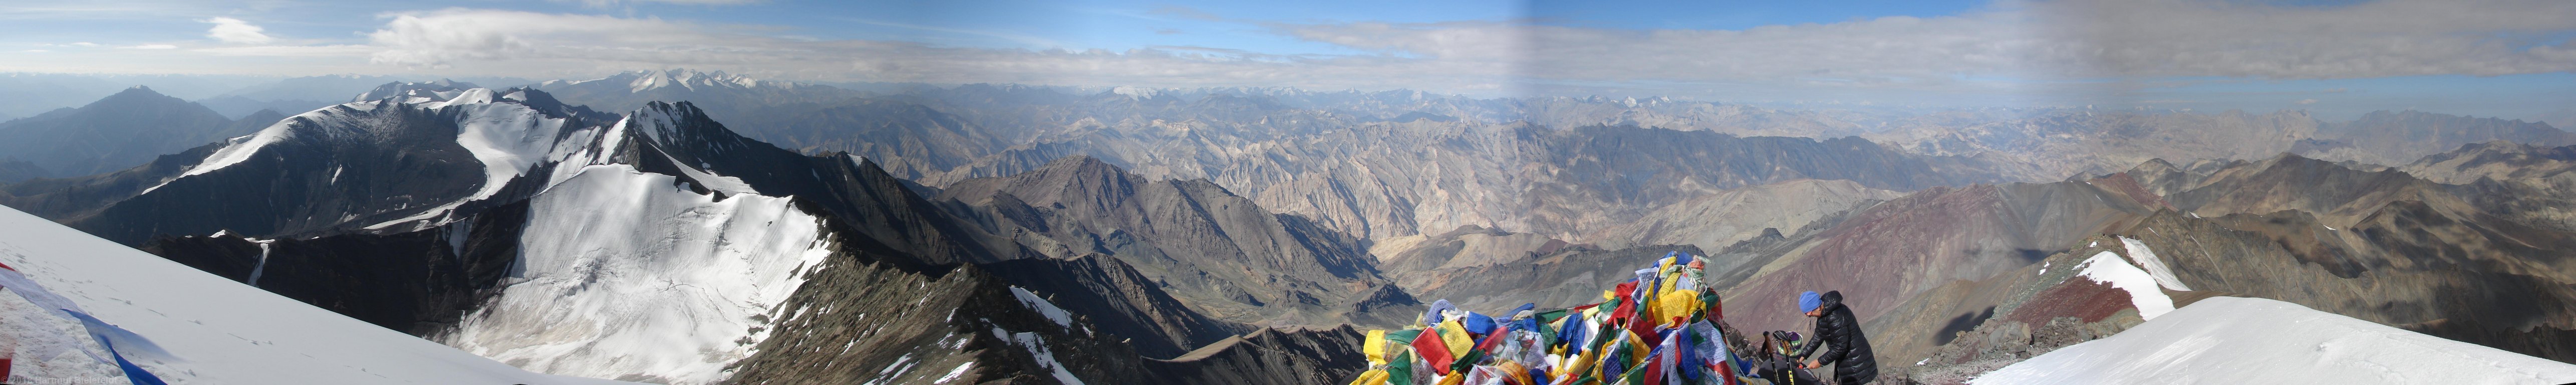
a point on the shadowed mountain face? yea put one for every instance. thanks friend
(115, 133)
(1219, 252)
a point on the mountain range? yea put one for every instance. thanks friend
(799, 232)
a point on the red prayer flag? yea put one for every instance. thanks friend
(1493, 337)
(1433, 349)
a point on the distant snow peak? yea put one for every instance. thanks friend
(1138, 93)
(641, 81)
(416, 92)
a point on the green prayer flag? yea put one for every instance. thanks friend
(1400, 370)
(1403, 335)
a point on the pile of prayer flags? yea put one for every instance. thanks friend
(1654, 329)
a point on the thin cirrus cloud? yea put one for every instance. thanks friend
(2014, 41)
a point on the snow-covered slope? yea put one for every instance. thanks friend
(2233, 340)
(626, 274)
(213, 330)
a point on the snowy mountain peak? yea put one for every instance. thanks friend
(415, 92)
(1138, 93)
(640, 81)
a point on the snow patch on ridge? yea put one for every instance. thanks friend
(1037, 349)
(1041, 305)
(2155, 266)
(624, 272)
(240, 148)
(507, 138)
(2233, 340)
(2108, 268)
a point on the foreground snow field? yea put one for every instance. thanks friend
(213, 331)
(2233, 340)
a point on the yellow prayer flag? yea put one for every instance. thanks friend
(1678, 304)
(1375, 348)
(1455, 335)
(1372, 377)
(1455, 378)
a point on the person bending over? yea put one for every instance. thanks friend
(1849, 351)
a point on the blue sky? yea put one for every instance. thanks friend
(2507, 58)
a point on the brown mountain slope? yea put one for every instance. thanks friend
(1889, 253)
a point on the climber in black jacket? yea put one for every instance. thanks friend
(1835, 326)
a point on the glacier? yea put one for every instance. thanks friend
(626, 274)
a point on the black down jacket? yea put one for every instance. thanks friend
(1846, 348)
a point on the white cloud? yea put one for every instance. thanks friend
(151, 46)
(607, 3)
(292, 50)
(82, 44)
(2011, 47)
(439, 38)
(236, 31)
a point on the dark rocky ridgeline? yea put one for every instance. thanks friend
(1218, 252)
(1118, 300)
(857, 321)
(856, 190)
